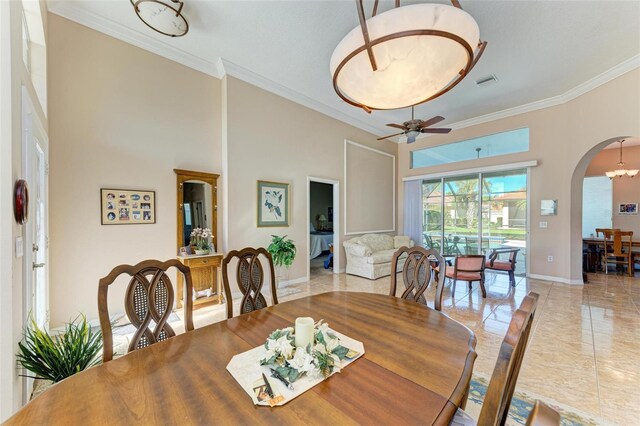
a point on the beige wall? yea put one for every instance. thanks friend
(285, 142)
(14, 77)
(625, 189)
(121, 117)
(564, 138)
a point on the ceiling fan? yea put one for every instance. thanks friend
(413, 127)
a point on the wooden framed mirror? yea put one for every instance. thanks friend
(197, 204)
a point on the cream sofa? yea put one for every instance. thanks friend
(370, 255)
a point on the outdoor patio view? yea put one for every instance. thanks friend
(477, 213)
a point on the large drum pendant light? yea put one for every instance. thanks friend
(405, 56)
(164, 17)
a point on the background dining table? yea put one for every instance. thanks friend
(416, 368)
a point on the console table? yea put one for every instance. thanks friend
(205, 274)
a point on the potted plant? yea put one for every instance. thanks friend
(51, 359)
(283, 252)
(200, 241)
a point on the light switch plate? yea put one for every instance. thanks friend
(543, 224)
(19, 247)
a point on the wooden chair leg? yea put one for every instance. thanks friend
(470, 283)
(512, 278)
(484, 291)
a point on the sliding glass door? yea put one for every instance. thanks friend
(473, 214)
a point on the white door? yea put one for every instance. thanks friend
(36, 242)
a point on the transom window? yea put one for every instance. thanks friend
(510, 142)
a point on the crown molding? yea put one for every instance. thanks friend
(246, 75)
(589, 85)
(223, 67)
(135, 38)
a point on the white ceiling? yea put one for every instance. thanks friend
(537, 49)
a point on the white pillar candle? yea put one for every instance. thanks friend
(304, 332)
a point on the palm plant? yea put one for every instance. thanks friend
(56, 358)
(282, 251)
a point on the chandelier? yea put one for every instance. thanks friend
(621, 170)
(161, 16)
(405, 56)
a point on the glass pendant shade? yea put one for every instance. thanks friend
(162, 17)
(632, 173)
(621, 172)
(420, 51)
(610, 174)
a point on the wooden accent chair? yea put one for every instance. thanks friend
(468, 268)
(148, 303)
(503, 264)
(621, 254)
(505, 374)
(417, 273)
(543, 415)
(250, 278)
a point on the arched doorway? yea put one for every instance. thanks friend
(576, 202)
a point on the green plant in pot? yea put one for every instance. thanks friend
(283, 252)
(54, 358)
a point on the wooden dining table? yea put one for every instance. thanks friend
(416, 369)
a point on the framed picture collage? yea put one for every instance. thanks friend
(127, 207)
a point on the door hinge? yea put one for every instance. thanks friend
(46, 168)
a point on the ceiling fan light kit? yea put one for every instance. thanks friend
(161, 16)
(405, 56)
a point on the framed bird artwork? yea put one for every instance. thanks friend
(273, 204)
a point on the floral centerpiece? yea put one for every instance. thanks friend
(318, 359)
(200, 240)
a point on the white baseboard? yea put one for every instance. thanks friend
(342, 270)
(282, 284)
(555, 279)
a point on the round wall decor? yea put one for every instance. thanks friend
(21, 201)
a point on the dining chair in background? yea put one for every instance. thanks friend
(468, 268)
(620, 253)
(506, 265)
(607, 236)
(497, 400)
(250, 278)
(417, 273)
(543, 415)
(148, 303)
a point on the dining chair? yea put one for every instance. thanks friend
(507, 265)
(497, 400)
(543, 415)
(607, 235)
(250, 278)
(621, 251)
(148, 303)
(417, 273)
(469, 267)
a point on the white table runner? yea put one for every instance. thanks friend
(247, 371)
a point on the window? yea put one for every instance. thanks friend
(510, 142)
(597, 202)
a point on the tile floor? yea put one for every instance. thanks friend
(584, 351)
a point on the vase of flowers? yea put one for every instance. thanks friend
(318, 359)
(201, 241)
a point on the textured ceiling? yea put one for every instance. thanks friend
(537, 49)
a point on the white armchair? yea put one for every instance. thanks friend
(370, 255)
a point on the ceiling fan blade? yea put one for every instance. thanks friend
(435, 130)
(431, 121)
(397, 126)
(390, 136)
